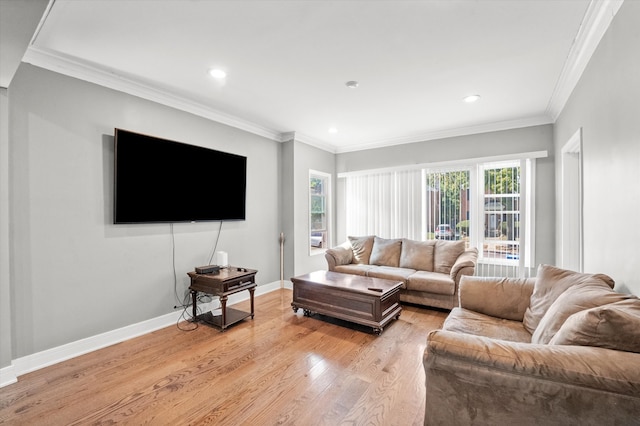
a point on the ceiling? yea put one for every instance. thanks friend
(287, 62)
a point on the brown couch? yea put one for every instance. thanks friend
(430, 270)
(559, 349)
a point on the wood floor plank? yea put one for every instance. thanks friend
(279, 368)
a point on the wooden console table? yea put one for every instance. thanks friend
(227, 281)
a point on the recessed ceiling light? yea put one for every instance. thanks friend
(333, 130)
(351, 84)
(217, 73)
(471, 98)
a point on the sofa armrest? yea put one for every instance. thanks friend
(506, 298)
(500, 382)
(339, 255)
(465, 264)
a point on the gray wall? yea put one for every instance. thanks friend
(306, 158)
(527, 139)
(5, 283)
(298, 158)
(73, 273)
(288, 207)
(605, 105)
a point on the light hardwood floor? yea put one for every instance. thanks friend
(280, 368)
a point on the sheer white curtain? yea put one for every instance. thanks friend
(386, 204)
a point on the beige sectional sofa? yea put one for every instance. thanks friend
(430, 270)
(559, 349)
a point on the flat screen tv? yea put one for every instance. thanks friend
(159, 180)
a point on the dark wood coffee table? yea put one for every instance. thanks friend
(372, 302)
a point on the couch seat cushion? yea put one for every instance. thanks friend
(390, 273)
(462, 320)
(361, 247)
(550, 283)
(431, 282)
(446, 254)
(574, 299)
(612, 326)
(417, 254)
(354, 269)
(385, 252)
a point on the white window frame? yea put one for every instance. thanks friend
(326, 243)
(527, 200)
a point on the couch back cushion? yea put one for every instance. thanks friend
(361, 247)
(551, 282)
(446, 254)
(612, 326)
(417, 255)
(575, 299)
(385, 252)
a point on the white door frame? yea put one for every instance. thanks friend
(571, 204)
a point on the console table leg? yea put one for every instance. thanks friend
(194, 301)
(251, 291)
(223, 305)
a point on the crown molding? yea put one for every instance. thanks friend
(86, 71)
(450, 133)
(595, 23)
(316, 143)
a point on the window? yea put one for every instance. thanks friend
(447, 204)
(488, 204)
(501, 212)
(486, 215)
(319, 218)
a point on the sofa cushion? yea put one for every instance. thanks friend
(446, 254)
(550, 283)
(385, 252)
(613, 326)
(574, 299)
(391, 273)
(354, 269)
(431, 282)
(417, 254)
(465, 321)
(361, 247)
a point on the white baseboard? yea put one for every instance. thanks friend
(29, 363)
(8, 376)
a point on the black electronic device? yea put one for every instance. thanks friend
(209, 269)
(159, 180)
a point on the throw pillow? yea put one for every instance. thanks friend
(385, 252)
(550, 283)
(613, 326)
(575, 299)
(417, 255)
(446, 254)
(361, 247)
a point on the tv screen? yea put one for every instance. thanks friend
(158, 180)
